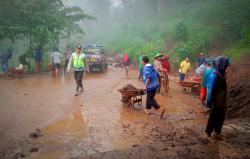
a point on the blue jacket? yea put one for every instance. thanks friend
(211, 84)
(217, 91)
(205, 76)
(150, 73)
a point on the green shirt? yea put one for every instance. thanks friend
(139, 62)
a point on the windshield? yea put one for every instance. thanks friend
(92, 50)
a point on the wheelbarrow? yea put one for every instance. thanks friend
(194, 85)
(19, 72)
(132, 96)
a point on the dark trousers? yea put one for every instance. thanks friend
(182, 76)
(215, 120)
(141, 74)
(78, 78)
(151, 102)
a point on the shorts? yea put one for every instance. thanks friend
(57, 65)
(5, 67)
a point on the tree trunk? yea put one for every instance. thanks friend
(30, 39)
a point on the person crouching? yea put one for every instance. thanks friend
(151, 84)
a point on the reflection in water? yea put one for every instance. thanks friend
(72, 126)
(60, 134)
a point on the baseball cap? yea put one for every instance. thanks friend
(79, 47)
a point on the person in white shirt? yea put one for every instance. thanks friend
(56, 59)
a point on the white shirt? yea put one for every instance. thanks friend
(56, 57)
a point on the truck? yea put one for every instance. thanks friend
(96, 58)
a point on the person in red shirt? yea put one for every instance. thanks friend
(165, 63)
(166, 70)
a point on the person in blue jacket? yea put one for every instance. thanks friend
(4, 60)
(151, 84)
(216, 97)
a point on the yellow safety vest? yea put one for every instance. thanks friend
(78, 60)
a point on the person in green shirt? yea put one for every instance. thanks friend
(140, 67)
(77, 62)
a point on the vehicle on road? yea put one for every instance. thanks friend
(96, 58)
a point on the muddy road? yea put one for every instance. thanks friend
(41, 118)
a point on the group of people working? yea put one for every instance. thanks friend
(213, 90)
(152, 77)
(212, 71)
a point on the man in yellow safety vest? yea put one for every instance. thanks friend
(77, 62)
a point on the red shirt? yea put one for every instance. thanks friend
(165, 65)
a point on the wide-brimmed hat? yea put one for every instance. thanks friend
(158, 55)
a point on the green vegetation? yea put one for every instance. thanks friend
(39, 22)
(183, 28)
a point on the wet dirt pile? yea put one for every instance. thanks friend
(129, 87)
(238, 102)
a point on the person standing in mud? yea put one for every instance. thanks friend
(216, 98)
(77, 61)
(68, 54)
(166, 70)
(184, 67)
(140, 67)
(151, 84)
(38, 59)
(56, 59)
(4, 60)
(204, 74)
(126, 63)
(159, 69)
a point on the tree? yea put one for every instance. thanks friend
(41, 21)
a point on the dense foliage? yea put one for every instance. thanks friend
(43, 21)
(39, 23)
(182, 27)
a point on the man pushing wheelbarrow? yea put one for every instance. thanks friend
(151, 84)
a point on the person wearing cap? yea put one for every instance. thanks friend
(77, 61)
(184, 67)
(158, 67)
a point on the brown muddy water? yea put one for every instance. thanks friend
(95, 124)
